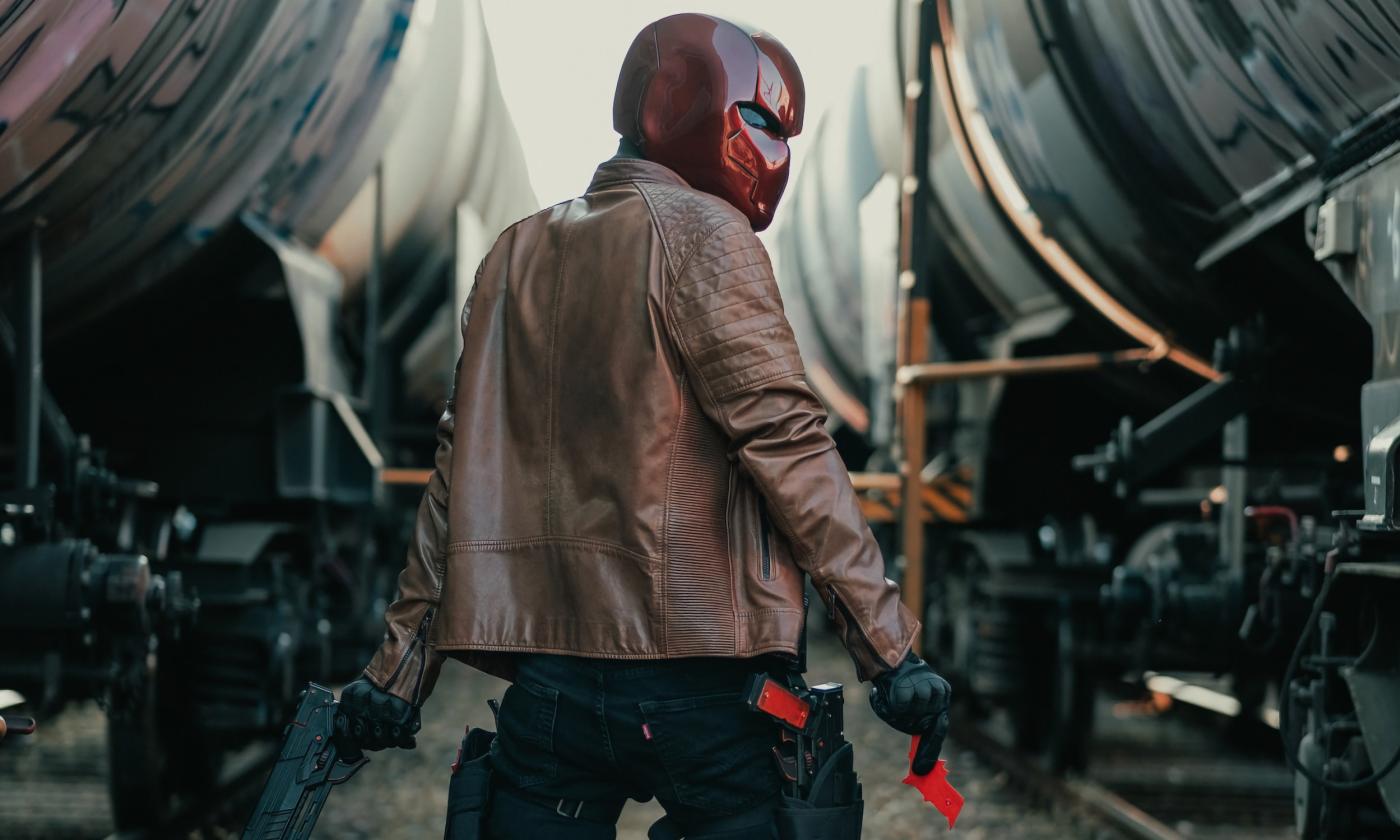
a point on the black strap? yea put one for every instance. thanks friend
(590, 810)
(802, 642)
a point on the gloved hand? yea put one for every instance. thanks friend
(375, 719)
(914, 699)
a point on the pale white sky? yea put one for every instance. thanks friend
(558, 63)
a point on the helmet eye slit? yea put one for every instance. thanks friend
(760, 117)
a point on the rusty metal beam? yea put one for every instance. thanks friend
(405, 475)
(934, 372)
(864, 481)
(914, 324)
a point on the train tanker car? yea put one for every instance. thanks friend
(1161, 257)
(233, 237)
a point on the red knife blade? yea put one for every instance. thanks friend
(935, 788)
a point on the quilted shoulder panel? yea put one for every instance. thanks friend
(685, 218)
(727, 314)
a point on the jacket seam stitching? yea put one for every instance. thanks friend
(727, 271)
(695, 281)
(749, 368)
(685, 265)
(710, 312)
(470, 546)
(440, 565)
(739, 353)
(656, 225)
(666, 518)
(601, 654)
(757, 383)
(698, 298)
(553, 382)
(770, 312)
(760, 613)
(726, 253)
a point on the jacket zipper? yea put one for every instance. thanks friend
(763, 542)
(838, 604)
(418, 637)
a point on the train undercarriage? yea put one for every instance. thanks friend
(1130, 407)
(194, 608)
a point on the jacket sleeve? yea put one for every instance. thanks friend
(407, 663)
(738, 349)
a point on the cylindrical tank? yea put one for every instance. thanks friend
(453, 142)
(186, 160)
(221, 391)
(133, 132)
(1104, 176)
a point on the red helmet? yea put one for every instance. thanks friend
(717, 104)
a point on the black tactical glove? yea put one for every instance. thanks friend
(375, 719)
(914, 699)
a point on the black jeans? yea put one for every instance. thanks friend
(602, 731)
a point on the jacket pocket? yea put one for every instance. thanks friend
(765, 543)
(716, 754)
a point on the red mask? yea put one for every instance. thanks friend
(717, 104)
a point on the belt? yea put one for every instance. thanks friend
(589, 810)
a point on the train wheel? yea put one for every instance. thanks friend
(136, 752)
(157, 754)
(949, 643)
(1067, 745)
(1053, 712)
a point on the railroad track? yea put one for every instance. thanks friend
(1157, 779)
(225, 807)
(1074, 798)
(1165, 777)
(56, 786)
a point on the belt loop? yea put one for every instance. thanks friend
(562, 809)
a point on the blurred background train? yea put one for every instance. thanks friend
(1204, 197)
(235, 235)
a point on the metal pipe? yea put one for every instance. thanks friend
(1234, 477)
(29, 370)
(926, 374)
(914, 323)
(887, 482)
(374, 288)
(405, 475)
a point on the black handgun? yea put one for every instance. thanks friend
(314, 757)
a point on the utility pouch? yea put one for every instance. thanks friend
(822, 794)
(469, 791)
(800, 820)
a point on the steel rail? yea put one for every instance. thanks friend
(1085, 797)
(228, 803)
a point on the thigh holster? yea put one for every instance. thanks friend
(469, 791)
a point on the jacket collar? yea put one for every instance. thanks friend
(622, 169)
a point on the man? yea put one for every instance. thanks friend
(633, 477)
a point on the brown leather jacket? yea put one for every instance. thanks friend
(632, 465)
